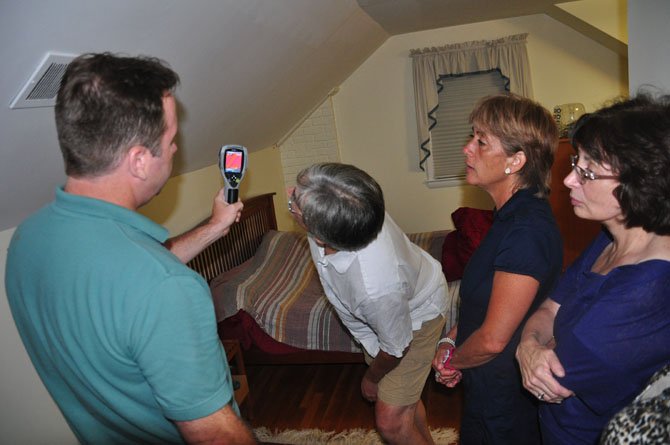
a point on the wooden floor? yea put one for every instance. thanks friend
(328, 397)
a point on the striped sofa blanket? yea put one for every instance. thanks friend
(280, 289)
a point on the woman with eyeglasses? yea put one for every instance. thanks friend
(591, 347)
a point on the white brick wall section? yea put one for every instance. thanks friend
(315, 140)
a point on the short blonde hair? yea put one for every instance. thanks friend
(521, 125)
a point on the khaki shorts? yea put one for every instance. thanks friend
(404, 384)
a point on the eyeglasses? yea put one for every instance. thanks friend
(584, 174)
(291, 201)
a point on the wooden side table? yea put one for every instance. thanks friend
(239, 373)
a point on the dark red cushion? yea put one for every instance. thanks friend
(244, 328)
(470, 226)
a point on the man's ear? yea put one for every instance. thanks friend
(327, 248)
(137, 159)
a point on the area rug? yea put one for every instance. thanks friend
(441, 436)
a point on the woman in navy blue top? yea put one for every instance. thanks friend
(509, 275)
(593, 345)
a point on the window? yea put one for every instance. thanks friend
(457, 96)
(442, 74)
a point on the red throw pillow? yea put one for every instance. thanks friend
(471, 225)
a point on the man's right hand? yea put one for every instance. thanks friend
(187, 245)
(224, 215)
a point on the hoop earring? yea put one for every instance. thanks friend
(507, 170)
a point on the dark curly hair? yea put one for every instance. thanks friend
(633, 137)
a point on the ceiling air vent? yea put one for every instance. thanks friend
(42, 87)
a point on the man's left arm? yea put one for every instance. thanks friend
(187, 245)
(382, 364)
(390, 320)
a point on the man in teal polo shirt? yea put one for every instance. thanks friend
(121, 332)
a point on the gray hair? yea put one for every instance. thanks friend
(341, 205)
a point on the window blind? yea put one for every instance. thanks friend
(457, 98)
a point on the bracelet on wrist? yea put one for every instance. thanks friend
(447, 340)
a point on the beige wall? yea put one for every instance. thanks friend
(374, 108)
(265, 175)
(30, 415)
(187, 199)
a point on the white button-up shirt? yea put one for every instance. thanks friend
(383, 291)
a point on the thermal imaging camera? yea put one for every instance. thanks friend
(233, 164)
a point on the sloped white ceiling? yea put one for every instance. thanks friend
(250, 70)
(403, 16)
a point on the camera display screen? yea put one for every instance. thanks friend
(233, 162)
